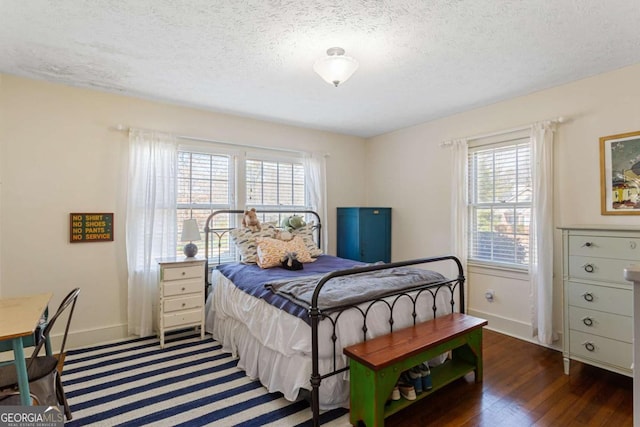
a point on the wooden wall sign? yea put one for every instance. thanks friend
(91, 227)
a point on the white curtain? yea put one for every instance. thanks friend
(459, 212)
(541, 232)
(315, 169)
(151, 221)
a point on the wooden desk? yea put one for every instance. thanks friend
(19, 317)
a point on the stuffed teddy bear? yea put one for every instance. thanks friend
(250, 220)
(290, 261)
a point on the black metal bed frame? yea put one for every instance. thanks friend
(316, 314)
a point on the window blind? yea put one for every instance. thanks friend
(204, 186)
(500, 202)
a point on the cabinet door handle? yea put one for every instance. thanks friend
(588, 321)
(588, 268)
(589, 346)
(587, 244)
(588, 296)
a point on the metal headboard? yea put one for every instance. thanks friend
(219, 232)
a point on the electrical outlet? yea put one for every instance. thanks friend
(490, 295)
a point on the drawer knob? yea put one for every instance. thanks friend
(588, 268)
(632, 245)
(183, 288)
(183, 304)
(588, 321)
(589, 346)
(184, 272)
(588, 244)
(588, 296)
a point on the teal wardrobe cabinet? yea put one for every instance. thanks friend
(364, 234)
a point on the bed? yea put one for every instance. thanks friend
(288, 328)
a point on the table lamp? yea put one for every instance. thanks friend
(190, 233)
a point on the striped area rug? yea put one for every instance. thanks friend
(189, 383)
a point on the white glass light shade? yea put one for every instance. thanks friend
(335, 68)
(190, 230)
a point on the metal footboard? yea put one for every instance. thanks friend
(219, 230)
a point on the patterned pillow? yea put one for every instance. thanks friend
(245, 241)
(270, 251)
(307, 233)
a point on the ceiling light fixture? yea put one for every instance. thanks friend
(335, 68)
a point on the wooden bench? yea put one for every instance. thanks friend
(376, 364)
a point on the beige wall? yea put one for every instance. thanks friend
(59, 155)
(409, 171)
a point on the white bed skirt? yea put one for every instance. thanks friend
(275, 347)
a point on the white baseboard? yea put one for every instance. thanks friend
(89, 337)
(512, 327)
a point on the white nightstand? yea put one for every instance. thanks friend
(181, 295)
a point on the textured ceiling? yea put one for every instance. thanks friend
(419, 60)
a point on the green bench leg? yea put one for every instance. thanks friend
(369, 386)
(471, 352)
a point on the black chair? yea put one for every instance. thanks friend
(45, 384)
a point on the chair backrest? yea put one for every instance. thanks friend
(68, 301)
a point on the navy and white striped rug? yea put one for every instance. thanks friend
(189, 383)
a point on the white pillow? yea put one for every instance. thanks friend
(245, 241)
(307, 232)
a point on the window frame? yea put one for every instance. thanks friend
(212, 150)
(283, 160)
(511, 139)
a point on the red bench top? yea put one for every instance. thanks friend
(385, 350)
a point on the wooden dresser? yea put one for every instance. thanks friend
(598, 301)
(181, 295)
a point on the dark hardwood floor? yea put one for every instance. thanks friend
(524, 385)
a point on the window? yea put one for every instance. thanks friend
(275, 185)
(205, 183)
(500, 202)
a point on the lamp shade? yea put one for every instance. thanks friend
(190, 231)
(335, 68)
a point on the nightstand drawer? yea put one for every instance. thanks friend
(186, 303)
(182, 318)
(608, 325)
(601, 349)
(600, 269)
(602, 298)
(182, 287)
(605, 247)
(177, 273)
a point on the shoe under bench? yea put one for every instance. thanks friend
(376, 364)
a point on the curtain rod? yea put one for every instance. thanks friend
(559, 119)
(122, 128)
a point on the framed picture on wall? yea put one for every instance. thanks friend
(620, 174)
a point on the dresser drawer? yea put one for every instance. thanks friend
(600, 269)
(605, 247)
(182, 272)
(182, 318)
(601, 298)
(601, 349)
(182, 287)
(608, 325)
(186, 303)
